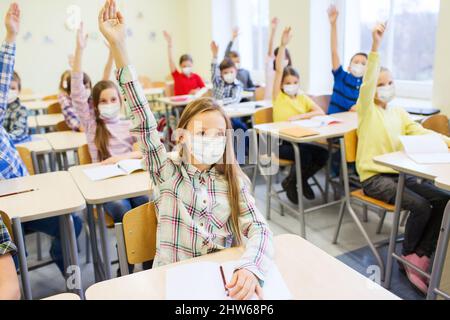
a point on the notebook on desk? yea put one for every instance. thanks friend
(203, 281)
(298, 132)
(426, 149)
(121, 168)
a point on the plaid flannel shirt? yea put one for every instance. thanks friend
(16, 122)
(6, 245)
(11, 165)
(192, 206)
(228, 93)
(67, 109)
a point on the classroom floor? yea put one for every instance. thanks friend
(320, 227)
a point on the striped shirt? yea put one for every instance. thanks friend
(228, 93)
(16, 122)
(11, 165)
(345, 91)
(121, 141)
(6, 245)
(192, 206)
(67, 109)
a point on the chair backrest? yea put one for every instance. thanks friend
(322, 101)
(54, 108)
(260, 93)
(25, 155)
(438, 123)
(139, 230)
(7, 223)
(62, 126)
(263, 116)
(50, 97)
(351, 146)
(84, 156)
(145, 81)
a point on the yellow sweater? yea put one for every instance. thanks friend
(379, 129)
(285, 107)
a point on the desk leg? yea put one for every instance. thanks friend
(298, 169)
(441, 252)
(98, 271)
(35, 161)
(64, 246)
(104, 239)
(73, 254)
(65, 161)
(394, 231)
(18, 237)
(52, 161)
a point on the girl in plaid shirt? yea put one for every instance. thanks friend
(202, 197)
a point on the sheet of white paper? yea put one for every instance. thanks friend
(130, 165)
(307, 123)
(430, 158)
(430, 143)
(103, 172)
(326, 120)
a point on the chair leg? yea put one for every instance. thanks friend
(381, 223)
(121, 250)
(365, 213)
(39, 246)
(88, 245)
(341, 217)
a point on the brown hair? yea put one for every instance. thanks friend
(289, 71)
(233, 54)
(227, 63)
(229, 166)
(186, 57)
(16, 78)
(363, 54)
(102, 135)
(287, 55)
(67, 75)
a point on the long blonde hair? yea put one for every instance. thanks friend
(229, 167)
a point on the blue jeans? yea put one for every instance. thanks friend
(117, 209)
(50, 226)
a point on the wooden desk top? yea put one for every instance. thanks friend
(55, 194)
(99, 192)
(38, 105)
(66, 140)
(153, 91)
(350, 122)
(444, 182)
(399, 161)
(38, 144)
(309, 273)
(245, 109)
(49, 120)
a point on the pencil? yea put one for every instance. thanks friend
(224, 281)
(16, 193)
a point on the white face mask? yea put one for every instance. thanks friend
(13, 95)
(386, 93)
(208, 150)
(109, 111)
(187, 71)
(291, 89)
(229, 78)
(358, 70)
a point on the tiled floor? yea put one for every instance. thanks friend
(320, 227)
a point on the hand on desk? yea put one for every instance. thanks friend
(244, 285)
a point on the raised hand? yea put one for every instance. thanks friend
(214, 49)
(168, 38)
(82, 37)
(235, 33)
(71, 59)
(12, 22)
(286, 37)
(275, 22)
(112, 24)
(377, 35)
(333, 14)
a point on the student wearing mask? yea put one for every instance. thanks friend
(186, 82)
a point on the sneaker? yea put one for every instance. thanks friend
(416, 279)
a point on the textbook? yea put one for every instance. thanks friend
(121, 168)
(426, 149)
(203, 281)
(317, 122)
(298, 132)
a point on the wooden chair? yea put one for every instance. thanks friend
(50, 97)
(27, 159)
(136, 236)
(54, 108)
(438, 123)
(348, 153)
(260, 93)
(62, 126)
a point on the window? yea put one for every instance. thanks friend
(409, 45)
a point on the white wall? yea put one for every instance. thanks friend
(441, 90)
(40, 63)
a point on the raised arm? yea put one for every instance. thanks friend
(369, 87)
(273, 31)
(109, 66)
(172, 64)
(234, 36)
(285, 39)
(112, 26)
(8, 55)
(333, 15)
(215, 72)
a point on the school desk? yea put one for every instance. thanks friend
(39, 106)
(64, 297)
(48, 121)
(272, 131)
(32, 97)
(246, 109)
(99, 192)
(153, 93)
(309, 273)
(39, 148)
(32, 124)
(63, 142)
(55, 195)
(400, 162)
